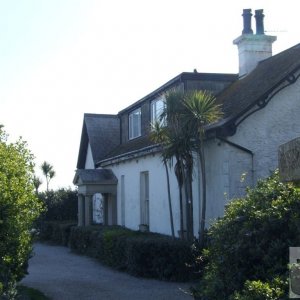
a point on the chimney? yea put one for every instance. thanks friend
(253, 48)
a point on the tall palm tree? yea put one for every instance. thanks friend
(158, 135)
(178, 146)
(201, 111)
(48, 172)
(37, 182)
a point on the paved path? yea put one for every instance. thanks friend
(62, 275)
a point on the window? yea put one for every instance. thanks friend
(144, 197)
(135, 124)
(157, 108)
(123, 200)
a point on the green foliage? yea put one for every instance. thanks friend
(61, 205)
(251, 242)
(258, 290)
(158, 256)
(140, 254)
(19, 207)
(56, 232)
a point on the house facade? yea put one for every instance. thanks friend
(120, 173)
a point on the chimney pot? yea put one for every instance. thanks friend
(259, 18)
(247, 21)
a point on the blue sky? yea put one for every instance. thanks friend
(62, 58)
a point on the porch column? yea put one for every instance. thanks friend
(88, 210)
(80, 210)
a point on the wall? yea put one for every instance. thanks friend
(158, 203)
(270, 127)
(89, 161)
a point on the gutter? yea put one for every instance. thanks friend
(128, 155)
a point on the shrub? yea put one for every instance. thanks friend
(158, 256)
(56, 232)
(257, 290)
(251, 242)
(140, 254)
(114, 247)
(61, 205)
(19, 207)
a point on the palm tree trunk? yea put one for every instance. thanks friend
(191, 212)
(170, 201)
(203, 206)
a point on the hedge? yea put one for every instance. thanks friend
(140, 254)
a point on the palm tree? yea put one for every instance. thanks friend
(48, 172)
(201, 111)
(37, 182)
(178, 146)
(158, 135)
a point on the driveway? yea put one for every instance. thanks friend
(63, 275)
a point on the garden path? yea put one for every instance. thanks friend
(62, 275)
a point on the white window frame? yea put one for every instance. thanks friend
(134, 124)
(157, 108)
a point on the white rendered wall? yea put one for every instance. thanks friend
(270, 127)
(158, 199)
(89, 162)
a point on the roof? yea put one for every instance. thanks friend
(96, 176)
(130, 148)
(214, 77)
(102, 132)
(258, 85)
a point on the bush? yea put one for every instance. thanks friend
(56, 232)
(140, 254)
(257, 290)
(159, 257)
(19, 207)
(61, 205)
(251, 242)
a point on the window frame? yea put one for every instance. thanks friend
(131, 127)
(156, 112)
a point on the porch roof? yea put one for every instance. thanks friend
(91, 181)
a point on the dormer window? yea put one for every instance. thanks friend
(135, 124)
(157, 108)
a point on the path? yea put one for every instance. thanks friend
(62, 275)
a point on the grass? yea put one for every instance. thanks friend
(27, 293)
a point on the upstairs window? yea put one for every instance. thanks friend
(135, 124)
(157, 108)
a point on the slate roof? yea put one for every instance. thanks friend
(243, 94)
(96, 176)
(103, 134)
(131, 146)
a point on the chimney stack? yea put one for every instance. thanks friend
(253, 48)
(259, 17)
(247, 21)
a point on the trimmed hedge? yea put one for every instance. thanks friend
(140, 254)
(61, 205)
(56, 232)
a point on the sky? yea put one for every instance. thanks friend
(60, 59)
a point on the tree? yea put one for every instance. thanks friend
(178, 146)
(19, 207)
(48, 172)
(201, 111)
(37, 182)
(158, 135)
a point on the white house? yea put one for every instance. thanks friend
(261, 108)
